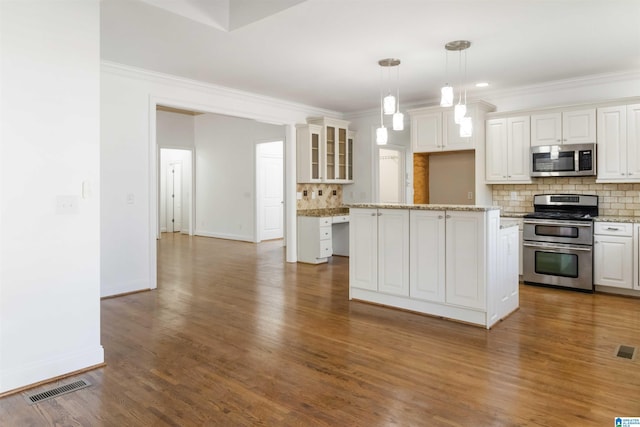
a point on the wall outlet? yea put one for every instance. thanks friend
(313, 194)
(130, 199)
(514, 195)
(319, 192)
(304, 193)
(470, 195)
(298, 196)
(67, 205)
(335, 193)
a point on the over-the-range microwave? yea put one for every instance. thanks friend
(563, 160)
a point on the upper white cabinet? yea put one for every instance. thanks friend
(566, 127)
(618, 139)
(433, 128)
(507, 150)
(323, 151)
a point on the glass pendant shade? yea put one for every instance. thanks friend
(466, 127)
(459, 112)
(446, 99)
(398, 121)
(389, 104)
(381, 135)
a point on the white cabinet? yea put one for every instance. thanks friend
(566, 127)
(427, 255)
(393, 251)
(450, 258)
(324, 151)
(613, 254)
(465, 259)
(379, 250)
(618, 143)
(507, 150)
(507, 282)
(310, 153)
(433, 128)
(426, 131)
(314, 239)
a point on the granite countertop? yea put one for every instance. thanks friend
(512, 215)
(507, 224)
(631, 219)
(467, 208)
(323, 212)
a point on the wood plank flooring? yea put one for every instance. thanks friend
(234, 336)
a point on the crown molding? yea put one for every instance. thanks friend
(212, 89)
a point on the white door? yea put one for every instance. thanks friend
(174, 197)
(270, 191)
(391, 175)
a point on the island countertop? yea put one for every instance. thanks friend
(467, 208)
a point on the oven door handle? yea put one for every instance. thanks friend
(559, 224)
(562, 248)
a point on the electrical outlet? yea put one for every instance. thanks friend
(304, 193)
(470, 195)
(335, 192)
(319, 192)
(514, 195)
(67, 205)
(298, 195)
(313, 194)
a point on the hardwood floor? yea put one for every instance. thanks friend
(235, 336)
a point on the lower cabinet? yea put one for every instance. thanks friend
(613, 254)
(379, 250)
(448, 263)
(314, 239)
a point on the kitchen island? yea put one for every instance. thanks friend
(452, 261)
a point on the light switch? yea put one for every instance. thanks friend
(130, 199)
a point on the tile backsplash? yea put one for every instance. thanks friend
(614, 199)
(325, 200)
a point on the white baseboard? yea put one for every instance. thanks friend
(240, 237)
(107, 290)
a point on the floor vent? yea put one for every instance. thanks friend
(626, 352)
(58, 391)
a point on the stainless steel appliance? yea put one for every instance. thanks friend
(558, 241)
(563, 160)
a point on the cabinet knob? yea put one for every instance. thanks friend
(379, 213)
(440, 217)
(447, 216)
(373, 214)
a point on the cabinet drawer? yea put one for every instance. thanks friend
(613, 228)
(325, 233)
(326, 249)
(325, 221)
(340, 219)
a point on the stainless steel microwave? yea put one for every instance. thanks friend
(563, 160)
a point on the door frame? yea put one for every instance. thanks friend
(258, 191)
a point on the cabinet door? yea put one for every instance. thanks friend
(426, 255)
(465, 259)
(612, 143)
(350, 140)
(518, 147)
(363, 248)
(451, 139)
(613, 261)
(426, 132)
(496, 150)
(309, 154)
(331, 136)
(393, 251)
(633, 141)
(546, 129)
(341, 155)
(579, 127)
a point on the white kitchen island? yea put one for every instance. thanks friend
(452, 261)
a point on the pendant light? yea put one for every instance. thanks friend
(446, 93)
(389, 105)
(398, 117)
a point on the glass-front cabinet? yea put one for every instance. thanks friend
(334, 150)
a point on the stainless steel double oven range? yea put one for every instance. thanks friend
(558, 241)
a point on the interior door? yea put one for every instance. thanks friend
(271, 188)
(174, 197)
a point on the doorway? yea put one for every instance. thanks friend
(391, 174)
(175, 206)
(269, 190)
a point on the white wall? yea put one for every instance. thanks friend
(567, 92)
(49, 261)
(225, 174)
(128, 162)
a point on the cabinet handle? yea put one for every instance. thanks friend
(373, 214)
(447, 216)
(613, 228)
(440, 217)
(379, 213)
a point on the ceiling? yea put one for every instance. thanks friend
(325, 53)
